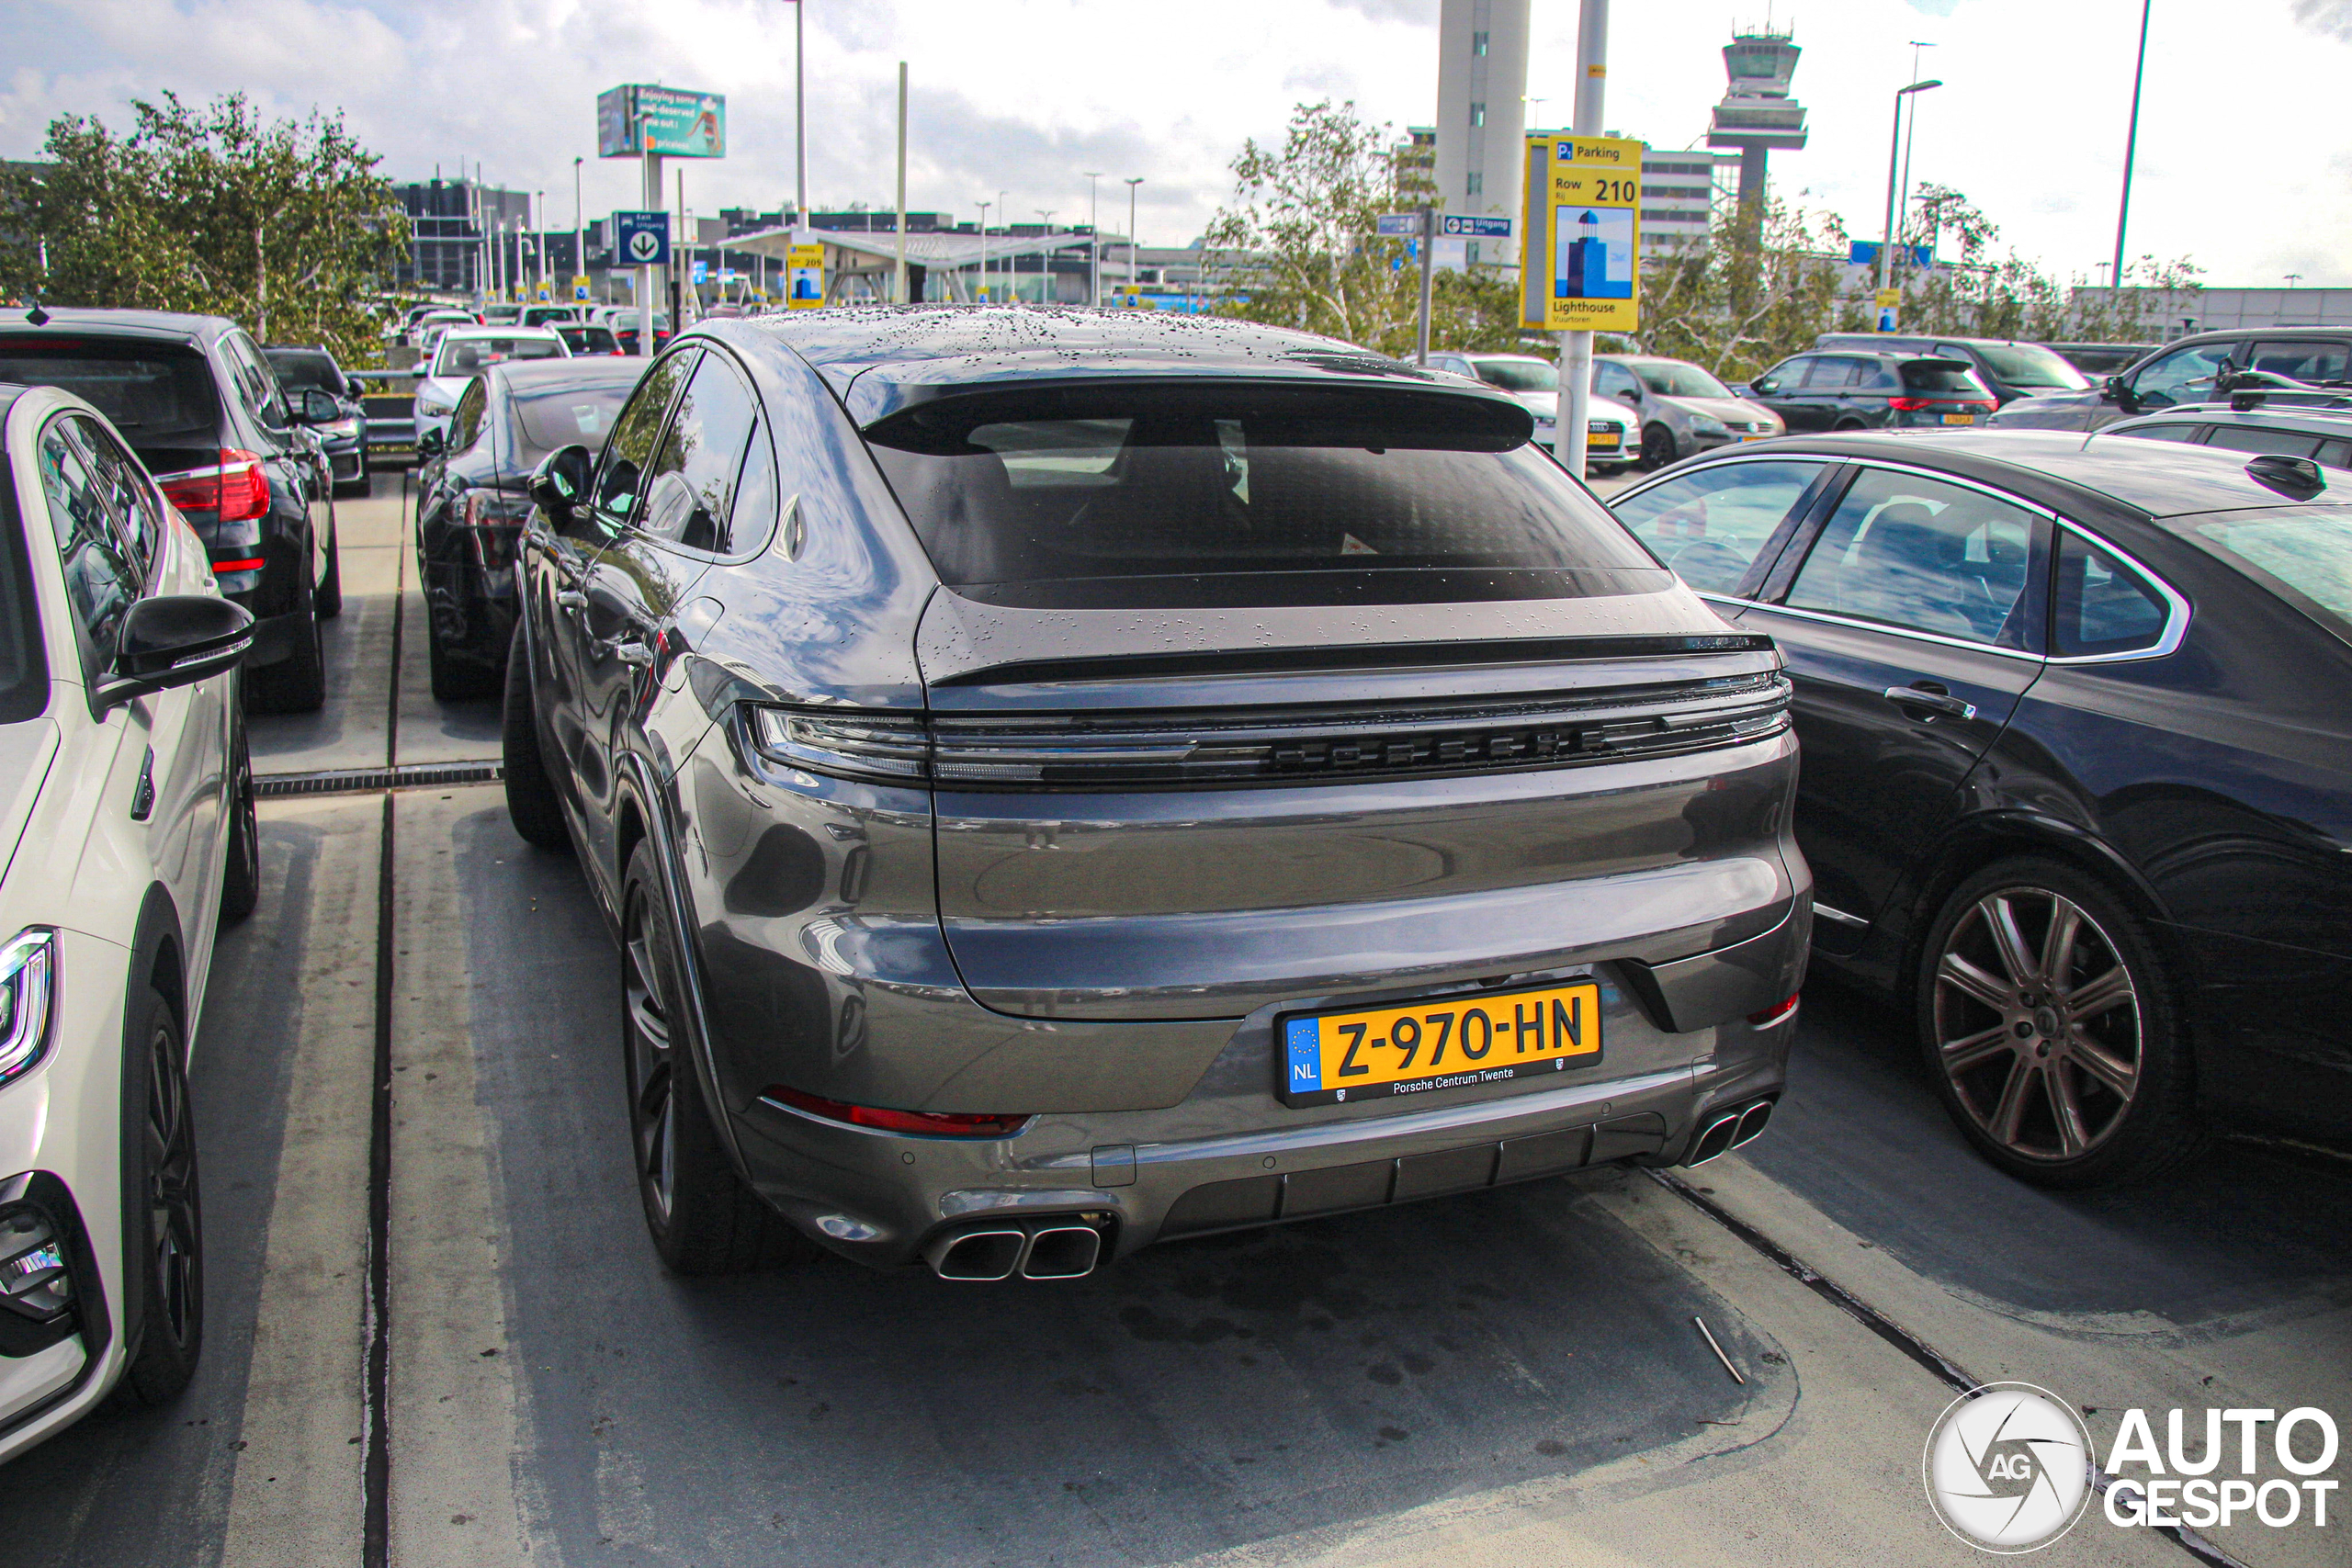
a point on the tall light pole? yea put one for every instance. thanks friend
(1131, 230)
(578, 224)
(800, 114)
(1045, 257)
(1910, 131)
(1894, 157)
(898, 277)
(1575, 398)
(2131, 145)
(1012, 260)
(1093, 241)
(984, 251)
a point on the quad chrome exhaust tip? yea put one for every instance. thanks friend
(1729, 1131)
(1045, 1250)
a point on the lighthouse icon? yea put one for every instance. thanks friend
(1588, 260)
(1596, 255)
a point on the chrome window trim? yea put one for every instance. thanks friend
(2180, 612)
(1905, 632)
(1840, 917)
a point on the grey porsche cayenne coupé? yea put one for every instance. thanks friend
(1062, 781)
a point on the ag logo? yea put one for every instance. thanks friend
(2008, 1468)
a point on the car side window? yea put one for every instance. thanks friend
(1837, 370)
(100, 582)
(465, 419)
(620, 481)
(1616, 381)
(131, 497)
(1785, 377)
(2336, 454)
(1710, 525)
(1923, 556)
(2176, 431)
(2184, 376)
(2307, 361)
(690, 489)
(256, 382)
(2103, 606)
(2253, 438)
(757, 497)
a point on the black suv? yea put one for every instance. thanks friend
(2010, 369)
(311, 367)
(203, 411)
(2185, 371)
(1862, 391)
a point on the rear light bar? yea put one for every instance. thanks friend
(251, 563)
(236, 488)
(1156, 751)
(1921, 405)
(926, 1123)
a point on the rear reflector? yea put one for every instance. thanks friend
(934, 1124)
(1775, 1014)
(253, 563)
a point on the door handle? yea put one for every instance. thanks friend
(633, 652)
(1941, 702)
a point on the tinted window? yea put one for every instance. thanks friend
(465, 419)
(618, 481)
(1709, 525)
(587, 340)
(130, 500)
(256, 381)
(1922, 555)
(690, 490)
(1672, 379)
(464, 355)
(1127, 483)
(2178, 430)
(2302, 361)
(2336, 454)
(2184, 376)
(1837, 370)
(305, 370)
(2103, 606)
(156, 395)
(1517, 374)
(100, 582)
(1785, 377)
(757, 498)
(1929, 377)
(549, 417)
(1615, 381)
(2253, 438)
(2027, 365)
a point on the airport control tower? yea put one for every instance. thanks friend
(1757, 115)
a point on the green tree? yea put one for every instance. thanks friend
(1750, 297)
(284, 225)
(1977, 294)
(1297, 246)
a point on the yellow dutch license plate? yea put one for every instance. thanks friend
(1598, 439)
(1960, 419)
(1444, 1042)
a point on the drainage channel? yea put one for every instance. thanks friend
(367, 781)
(1938, 1365)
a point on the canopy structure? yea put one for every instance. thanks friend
(858, 262)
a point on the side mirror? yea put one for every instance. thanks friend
(314, 406)
(175, 639)
(559, 484)
(2118, 391)
(429, 442)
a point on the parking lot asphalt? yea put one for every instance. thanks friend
(1511, 1377)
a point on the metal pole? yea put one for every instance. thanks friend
(682, 265)
(898, 277)
(1093, 241)
(1131, 230)
(1910, 134)
(800, 114)
(1894, 152)
(1012, 260)
(1429, 257)
(1574, 400)
(649, 193)
(2131, 146)
(579, 225)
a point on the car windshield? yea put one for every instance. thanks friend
(1672, 379)
(150, 391)
(1264, 484)
(1517, 374)
(304, 370)
(1941, 376)
(547, 418)
(587, 340)
(2030, 364)
(2307, 549)
(464, 355)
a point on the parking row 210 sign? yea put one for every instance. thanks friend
(1579, 270)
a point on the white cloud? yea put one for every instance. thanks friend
(1023, 95)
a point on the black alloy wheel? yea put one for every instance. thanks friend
(1657, 447)
(702, 1218)
(531, 803)
(241, 876)
(2047, 1020)
(164, 1252)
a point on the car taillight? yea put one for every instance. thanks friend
(236, 489)
(885, 747)
(1778, 1013)
(927, 1123)
(1909, 405)
(494, 522)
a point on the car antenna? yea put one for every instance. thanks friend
(36, 316)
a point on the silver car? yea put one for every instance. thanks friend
(1680, 408)
(1060, 780)
(1610, 442)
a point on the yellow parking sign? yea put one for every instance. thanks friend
(804, 278)
(1580, 267)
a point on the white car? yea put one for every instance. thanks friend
(464, 353)
(1610, 426)
(126, 835)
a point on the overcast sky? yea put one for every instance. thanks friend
(2243, 164)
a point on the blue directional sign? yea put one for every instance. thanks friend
(642, 238)
(1476, 227)
(1397, 225)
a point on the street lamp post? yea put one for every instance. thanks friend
(1910, 134)
(984, 251)
(2131, 145)
(1893, 158)
(1045, 257)
(1012, 260)
(578, 224)
(1131, 230)
(1093, 241)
